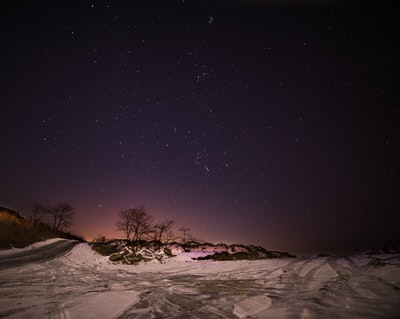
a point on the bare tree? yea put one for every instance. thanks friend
(62, 215)
(100, 239)
(136, 222)
(169, 236)
(124, 223)
(162, 231)
(38, 212)
(185, 234)
(141, 223)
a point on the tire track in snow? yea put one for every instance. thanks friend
(294, 289)
(193, 296)
(358, 293)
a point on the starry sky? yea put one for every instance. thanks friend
(273, 123)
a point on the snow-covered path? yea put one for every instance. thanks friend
(83, 284)
(47, 250)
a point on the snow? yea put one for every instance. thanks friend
(103, 305)
(83, 255)
(251, 306)
(7, 252)
(323, 274)
(83, 284)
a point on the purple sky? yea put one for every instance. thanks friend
(251, 122)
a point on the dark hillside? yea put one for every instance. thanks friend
(16, 231)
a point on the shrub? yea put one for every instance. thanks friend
(104, 249)
(168, 252)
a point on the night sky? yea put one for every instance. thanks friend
(273, 123)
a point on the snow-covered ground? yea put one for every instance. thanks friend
(13, 251)
(83, 284)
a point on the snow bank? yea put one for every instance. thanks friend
(39, 244)
(82, 254)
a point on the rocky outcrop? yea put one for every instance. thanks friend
(245, 253)
(127, 253)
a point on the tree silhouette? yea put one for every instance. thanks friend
(38, 212)
(141, 223)
(185, 234)
(136, 222)
(162, 231)
(124, 223)
(62, 215)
